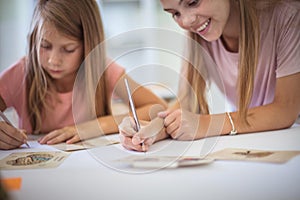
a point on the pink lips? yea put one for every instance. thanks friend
(55, 71)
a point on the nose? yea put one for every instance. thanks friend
(188, 20)
(55, 59)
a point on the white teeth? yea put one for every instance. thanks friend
(203, 26)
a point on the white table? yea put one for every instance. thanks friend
(93, 174)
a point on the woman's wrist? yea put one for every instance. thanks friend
(158, 123)
(203, 126)
(162, 135)
(214, 125)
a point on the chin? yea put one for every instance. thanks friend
(209, 39)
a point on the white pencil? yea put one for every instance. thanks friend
(136, 120)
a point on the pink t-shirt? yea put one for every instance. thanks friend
(12, 90)
(279, 55)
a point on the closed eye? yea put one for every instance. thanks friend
(69, 50)
(193, 3)
(175, 14)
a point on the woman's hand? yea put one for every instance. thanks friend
(10, 137)
(149, 133)
(181, 124)
(68, 134)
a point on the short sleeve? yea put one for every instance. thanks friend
(12, 84)
(288, 48)
(113, 74)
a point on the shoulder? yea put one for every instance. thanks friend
(15, 71)
(280, 36)
(12, 83)
(282, 22)
(287, 9)
(283, 13)
(113, 67)
(114, 71)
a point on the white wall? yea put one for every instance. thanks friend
(15, 18)
(124, 21)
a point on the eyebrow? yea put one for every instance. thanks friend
(66, 44)
(179, 3)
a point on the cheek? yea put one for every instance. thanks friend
(180, 24)
(79, 58)
(75, 61)
(43, 56)
(184, 26)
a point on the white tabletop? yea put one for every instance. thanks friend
(94, 174)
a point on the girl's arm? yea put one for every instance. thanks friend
(90, 129)
(143, 98)
(146, 104)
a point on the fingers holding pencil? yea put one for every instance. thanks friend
(10, 137)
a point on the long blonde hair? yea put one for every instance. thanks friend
(78, 19)
(248, 51)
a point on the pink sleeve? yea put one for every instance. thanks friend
(12, 84)
(288, 48)
(114, 73)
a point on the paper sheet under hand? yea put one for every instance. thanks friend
(86, 144)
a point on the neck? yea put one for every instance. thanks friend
(64, 86)
(230, 36)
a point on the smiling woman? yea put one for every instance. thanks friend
(255, 46)
(195, 16)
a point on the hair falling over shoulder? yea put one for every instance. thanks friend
(248, 57)
(79, 19)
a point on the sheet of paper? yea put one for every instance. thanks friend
(33, 160)
(87, 144)
(164, 161)
(254, 155)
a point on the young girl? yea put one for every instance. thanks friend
(64, 46)
(256, 46)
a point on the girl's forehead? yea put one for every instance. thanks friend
(51, 33)
(48, 29)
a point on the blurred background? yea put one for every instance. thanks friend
(131, 27)
(124, 21)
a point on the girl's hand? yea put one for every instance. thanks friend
(149, 133)
(68, 134)
(10, 137)
(181, 124)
